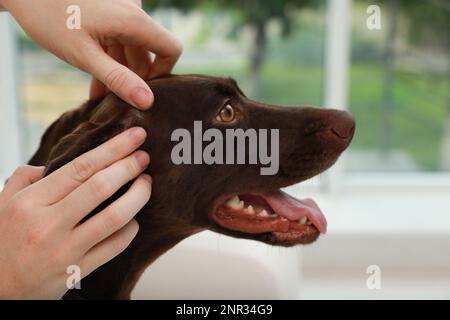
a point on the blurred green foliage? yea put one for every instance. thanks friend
(417, 118)
(291, 71)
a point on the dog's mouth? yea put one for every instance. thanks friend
(272, 216)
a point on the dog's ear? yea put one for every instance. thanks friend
(64, 125)
(107, 119)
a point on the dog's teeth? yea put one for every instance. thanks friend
(263, 213)
(273, 215)
(233, 202)
(303, 220)
(235, 199)
(308, 223)
(250, 209)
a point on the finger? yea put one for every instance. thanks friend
(100, 187)
(109, 248)
(117, 52)
(118, 78)
(146, 33)
(115, 216)
(139, 61)
(60, 183)
(97, 89)
(160, 67)
(22, 177)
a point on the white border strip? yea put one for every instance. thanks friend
(10, 133)
(337, 61)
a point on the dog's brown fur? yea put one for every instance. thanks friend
(311, 139)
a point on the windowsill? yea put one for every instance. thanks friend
(398, 180)
(384, 206)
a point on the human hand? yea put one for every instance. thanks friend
(40, 230)
(113, 43)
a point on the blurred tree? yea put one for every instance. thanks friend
(428, 24)
(391, 10)
(387, 102)
(257, 14)
(184, 5)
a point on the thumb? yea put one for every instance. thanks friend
(120, 80)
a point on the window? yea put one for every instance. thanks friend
(390, 189)
(399, 89)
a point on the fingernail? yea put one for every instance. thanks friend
(138, 135)
(141, 97)
(142, 158)
(147, 178)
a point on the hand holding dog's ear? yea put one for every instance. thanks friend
(113, 43)
(40, 230)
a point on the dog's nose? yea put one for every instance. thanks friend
(343, 125)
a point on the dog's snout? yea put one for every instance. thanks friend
(343, 125)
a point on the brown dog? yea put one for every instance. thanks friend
(187, 198)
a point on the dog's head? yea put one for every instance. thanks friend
(228, 196)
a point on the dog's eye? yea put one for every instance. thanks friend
(227, 114)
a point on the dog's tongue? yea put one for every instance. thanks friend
(294, 209)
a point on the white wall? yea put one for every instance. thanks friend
(10, 133)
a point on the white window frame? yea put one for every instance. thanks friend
(10, 113)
